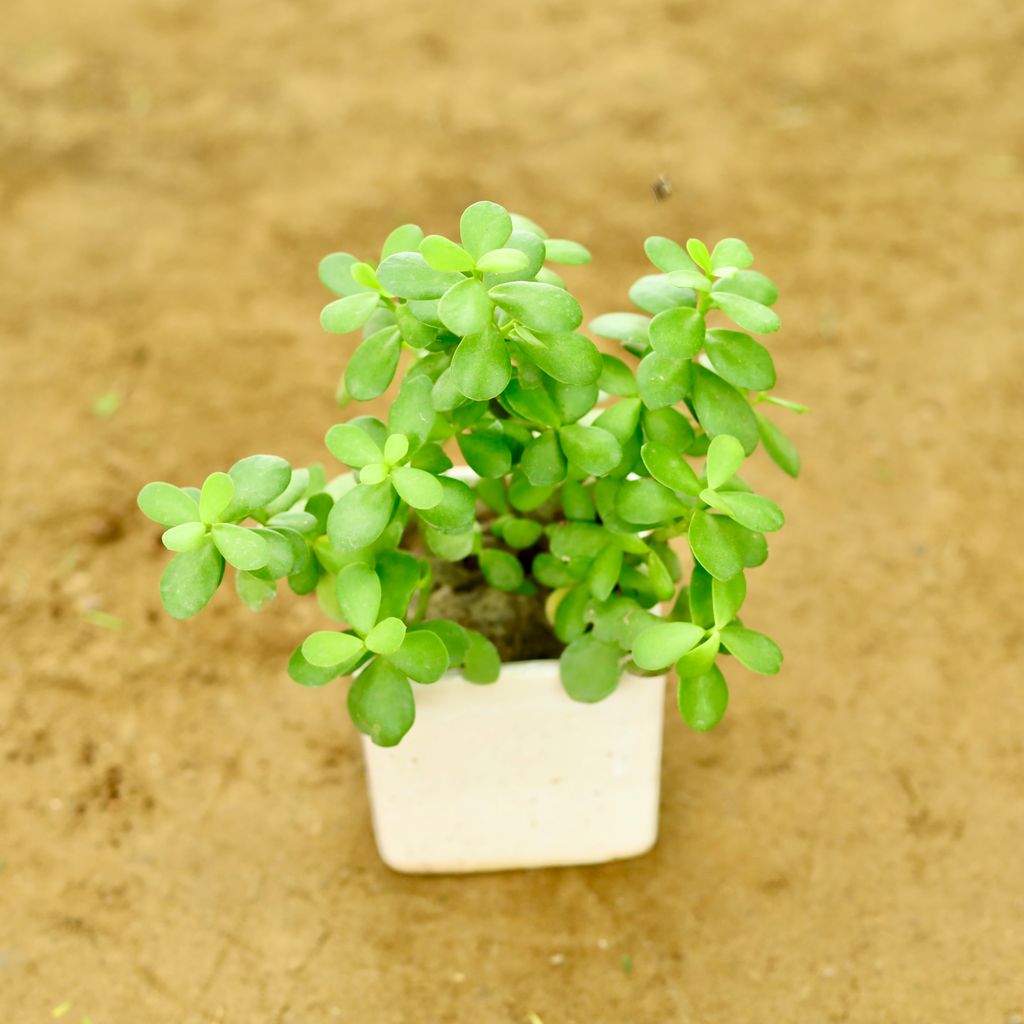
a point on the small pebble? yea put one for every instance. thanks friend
(557, 959)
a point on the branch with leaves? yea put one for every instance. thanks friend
(589, 470)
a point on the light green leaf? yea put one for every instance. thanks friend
(184, 537)
(405, 238)
(422, 655)
(416, 487)
(662, 381)
(750, 284)
(646, 502)
(349, 313)
(532, 248)
(215, 497)
(731, 252)
(328, 648)
(589, 669)
(373, 364)
(521, 533)
(481, 365)
(486, 453)
(658, 647)
(501, 569)
(456, 512)
(667, 255)
(569, 358)
(190, 580)
(443, 254)
(750, 510)
(381, 703)
(703, 700)
(242, 548)
(778, 446)
(352, 446)
(721, 409)
(669, 469)
(604, 571)
(396, 447)
(408, 275)
(465, 307)
(656, 293)
(591, 449)
(502, 261)
(616, 377)
(484, 226)
(482, 663)
(542, 460)
(561, 250)
(254, 591)
(727, 598)
(699, 253)
(305, 674)
(677, 333)
(359, 596)
(694, 279)
(386, 637)
(454, 637)
(360, 516)
(258, 480)
(758, 652)
(740, 360)
(715, 546)
(541, 307)
(335, 272)
(725, 456)
(167, 505)
(750, 315)
(669, 427)
(622, 327)
(700, 660)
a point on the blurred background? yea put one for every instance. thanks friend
(184, 833)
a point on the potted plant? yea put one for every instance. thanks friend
(547, 563)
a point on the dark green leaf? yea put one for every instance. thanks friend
(456, 511)
(501, 569)
(486, 453)
(591, 449)
(668, 427)
(569, 358)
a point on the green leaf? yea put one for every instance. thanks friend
(381, 703)
(532, 248)
(667, 255)
(253, 591)
(454, 637)
(482, 663)
(669, 469)
(715, 546)
(373, 364)
(561, 250)
(699, 253)
(731, 252)
(542, 460)
(782, 451)
(386, 637)
(700, 660)
(215, 497)
(750, 284)
(258, 480)
(725, 456)
(690, 279)
(167, 505)
(416, 487)
(405, 238)
(360, 516)
(501, 569)
(415, 332)
(443, 254)
(750, 510)
(349, 313)
(190, 580)
(703, 700)
(569, 358)
(622, 327)
(352, 446)
(481, 365)
(604, 571)
(621, 420)
(721, 409)
(646, 502)
(521, 533)
(422, 656)
(359, 596)
(656, 293)
(750, 315)
(484, 226)
(662, 381)
(396, 447)
(727, 598)
(335, 271)
(502, 261)
(242, 548)
(328, 648)
(589, 669)
(740, 360)
(591, 449)
(755, 650)
(409, 276)
(486, 453)
(541, 307)
(677, 333)
(457, 510)
(524, 496)
(668, 427)
(658, 647)
(616, 377)
(465, 308)
(184, 537)
(412, 412)
(305, 674)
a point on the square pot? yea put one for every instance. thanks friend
(517, 775)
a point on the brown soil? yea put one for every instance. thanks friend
(184, 835)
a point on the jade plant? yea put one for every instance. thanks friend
(591, 472)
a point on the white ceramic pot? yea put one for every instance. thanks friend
(518, 775)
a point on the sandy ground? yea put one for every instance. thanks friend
(184, 834)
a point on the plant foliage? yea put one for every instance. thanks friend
(592, 470)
